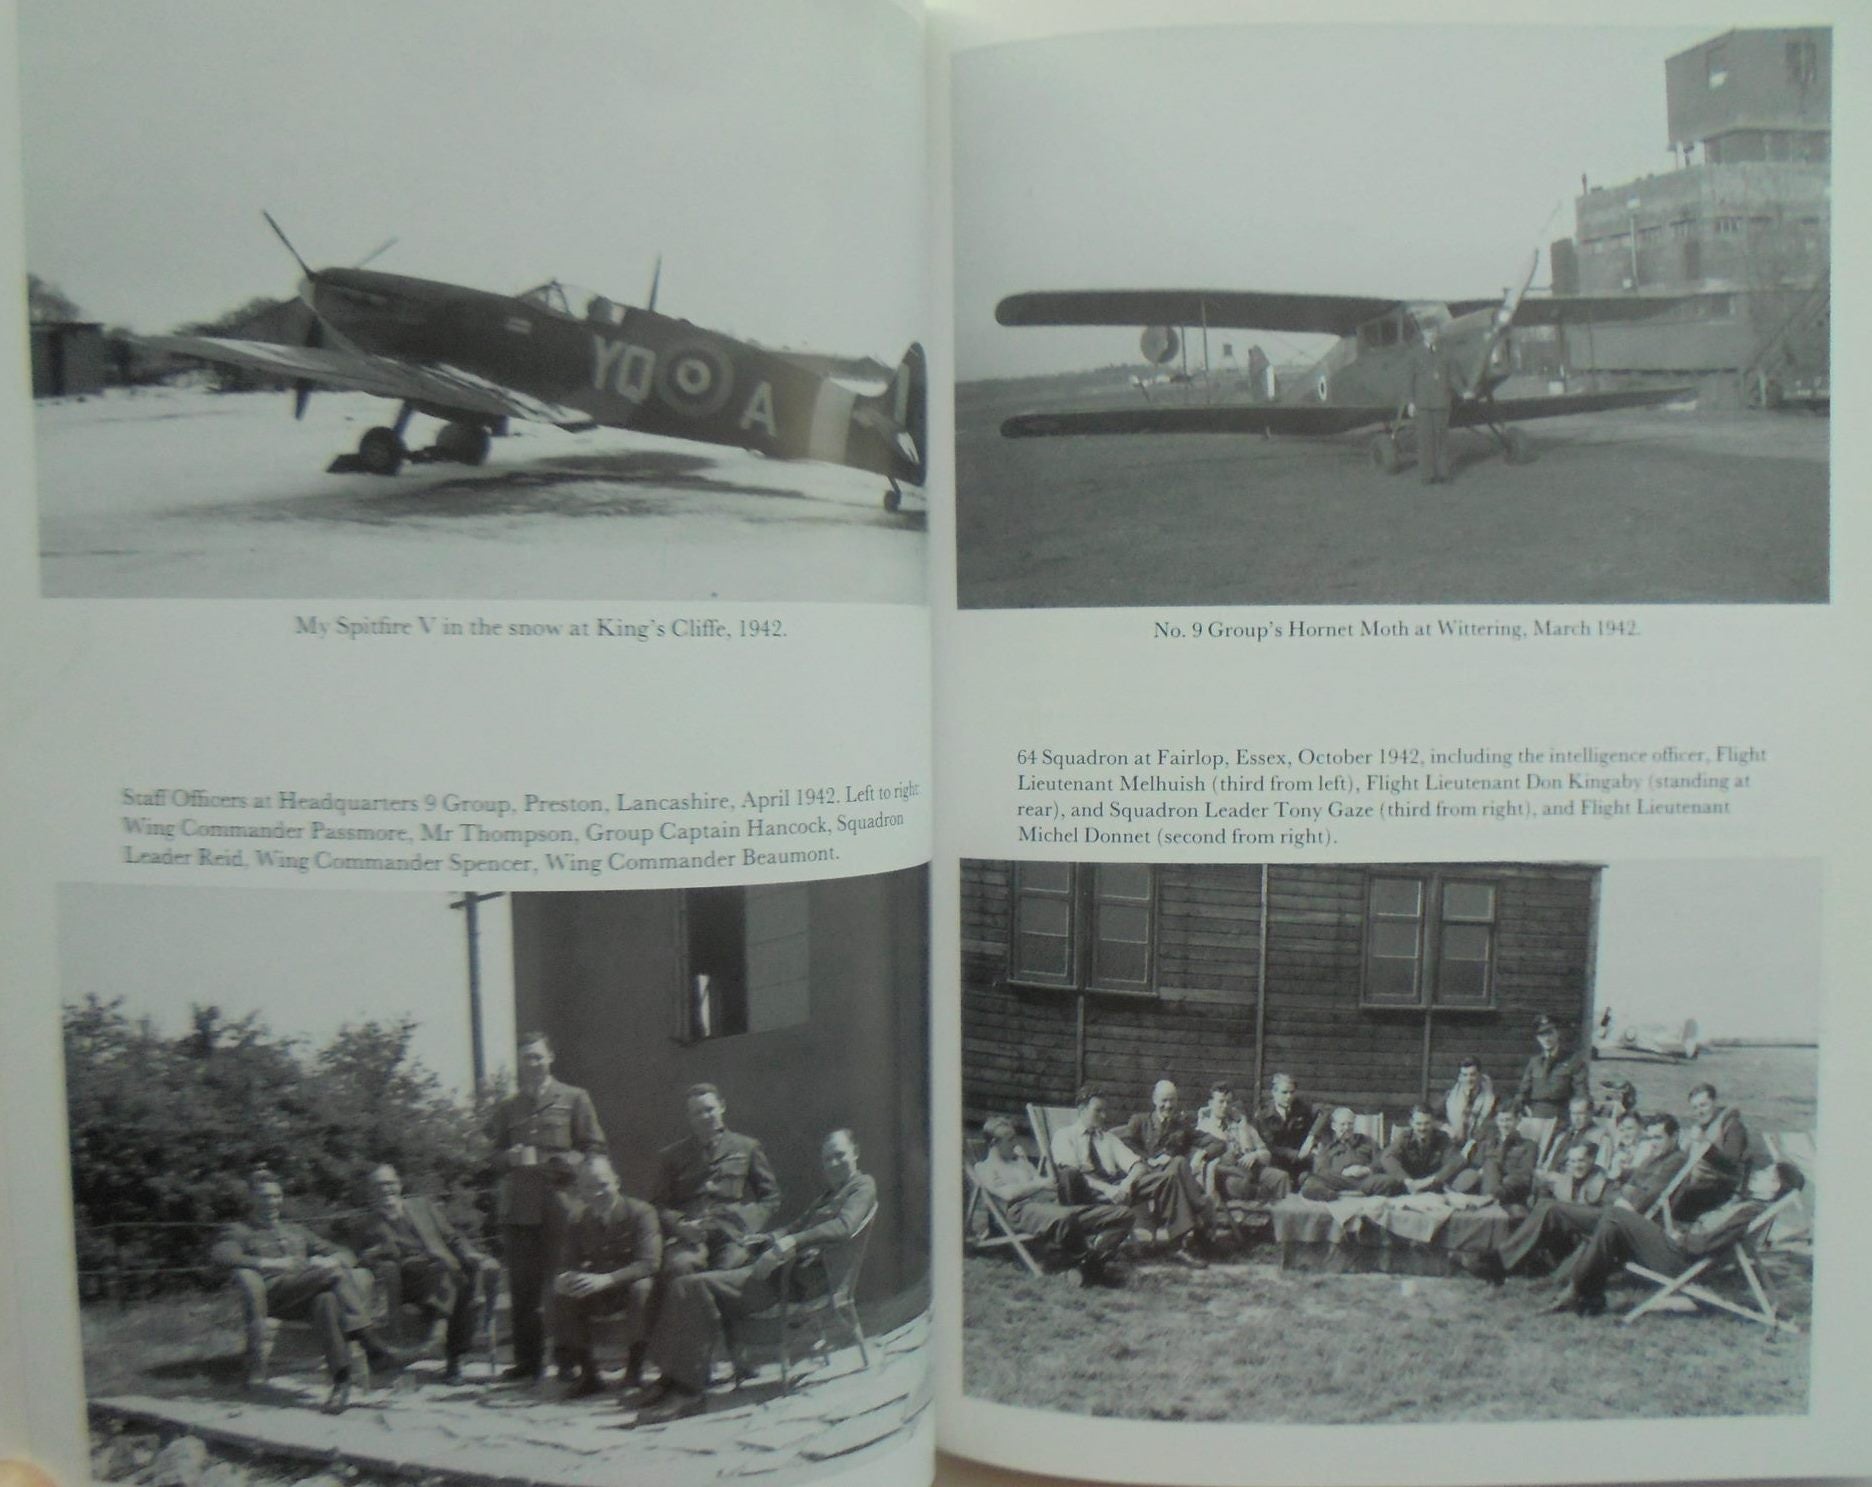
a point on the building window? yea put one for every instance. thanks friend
(1083, 927)
(1429, 942)
(745, 959)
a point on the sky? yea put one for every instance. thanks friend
(1415, 161)
(308, 961)
(771, 154)
(1733, 943)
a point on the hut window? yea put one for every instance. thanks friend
(746, 960)
(1083, 927)
(1429, 941)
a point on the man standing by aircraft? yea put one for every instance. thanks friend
(1430, 404)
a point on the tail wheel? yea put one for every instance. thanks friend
(893, 497)
(464, 443)
(381, 452)
(1520, 448)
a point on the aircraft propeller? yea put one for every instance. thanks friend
(656, 275)
(1504, 317)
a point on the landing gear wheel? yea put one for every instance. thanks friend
(381, 452)
(1384, 454)
(463, 443)
(893, 498)
(1520, 449)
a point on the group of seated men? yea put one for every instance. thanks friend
(678, 1269)
(1625, 1184)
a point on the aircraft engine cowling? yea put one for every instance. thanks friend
(1159, 343)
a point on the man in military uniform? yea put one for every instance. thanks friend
(1287, 1123)
(1551, 1077)
(699, 1307)
(1501, 1163)
(1431, 397)
(612, 1252)
(1718, 1143)
(539, 1136)
(283, 1270)
(435, 1265)
(1420, 1158)
(1345, 1164)
(714, 1188)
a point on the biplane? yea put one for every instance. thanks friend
(1363, 381)
(474, 359)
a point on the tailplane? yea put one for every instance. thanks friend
(898, 420)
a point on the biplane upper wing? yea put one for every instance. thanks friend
(430, 385)
(1309, 420)
(1323, 314)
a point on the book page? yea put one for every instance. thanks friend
(1388, 716)
(469, 722)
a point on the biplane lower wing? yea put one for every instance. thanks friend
(1317, 420)
(429, 386)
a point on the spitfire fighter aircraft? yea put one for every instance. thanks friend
(1362, 381)
(1652, 1042)
(474, 359)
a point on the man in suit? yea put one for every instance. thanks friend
(700, 1307)
(1579, 1128)
(1500, 1164)
(283, 1270)
(612, 1252)
(1344, 1164)
(1287, 1123)
(1086, 1235)
(1420, 1158)
(1623, 1234)
(435, 1266)
(540, 1134)
(1718, 1143)
(1552, 1076)
(1095, 1165)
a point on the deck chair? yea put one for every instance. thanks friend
(986, 1225)
(1688, 1282)
(1372, 1125)
(816, 1314)
(1046, 1120)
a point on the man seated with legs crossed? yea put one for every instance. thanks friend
(436, 1267)
(698, 1309)
(1345, 1164)
(1085, 1235)
(1096, 1166)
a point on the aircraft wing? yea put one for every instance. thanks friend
(1595, 309)
(1309, 420)
(1322, 314)
(1519, 410)
(430, 384)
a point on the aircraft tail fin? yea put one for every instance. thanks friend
(895, 423)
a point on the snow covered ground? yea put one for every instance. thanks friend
(173, 492)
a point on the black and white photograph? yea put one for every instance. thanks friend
(477, 300)
(1336, 1143)
(1414, 314)
(559, 1188)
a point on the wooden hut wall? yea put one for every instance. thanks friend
(1021, 1043)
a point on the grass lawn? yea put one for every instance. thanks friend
(1249, 1341)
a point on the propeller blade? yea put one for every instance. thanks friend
(375, 253)
(304, 267)
(656, 277)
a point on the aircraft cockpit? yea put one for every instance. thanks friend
(574, 303)
(1403, 325)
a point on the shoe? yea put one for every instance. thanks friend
(1487, 1266)
(681, 1405)
(452, 1372)
(1591, 1306)
(522, 1373)
(1189, 1258)
(339, 1399)
(587, 1384)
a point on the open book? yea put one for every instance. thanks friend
(1118, 759)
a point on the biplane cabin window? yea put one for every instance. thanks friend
(1429, 942)
(745, 960)
(1083, 927)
